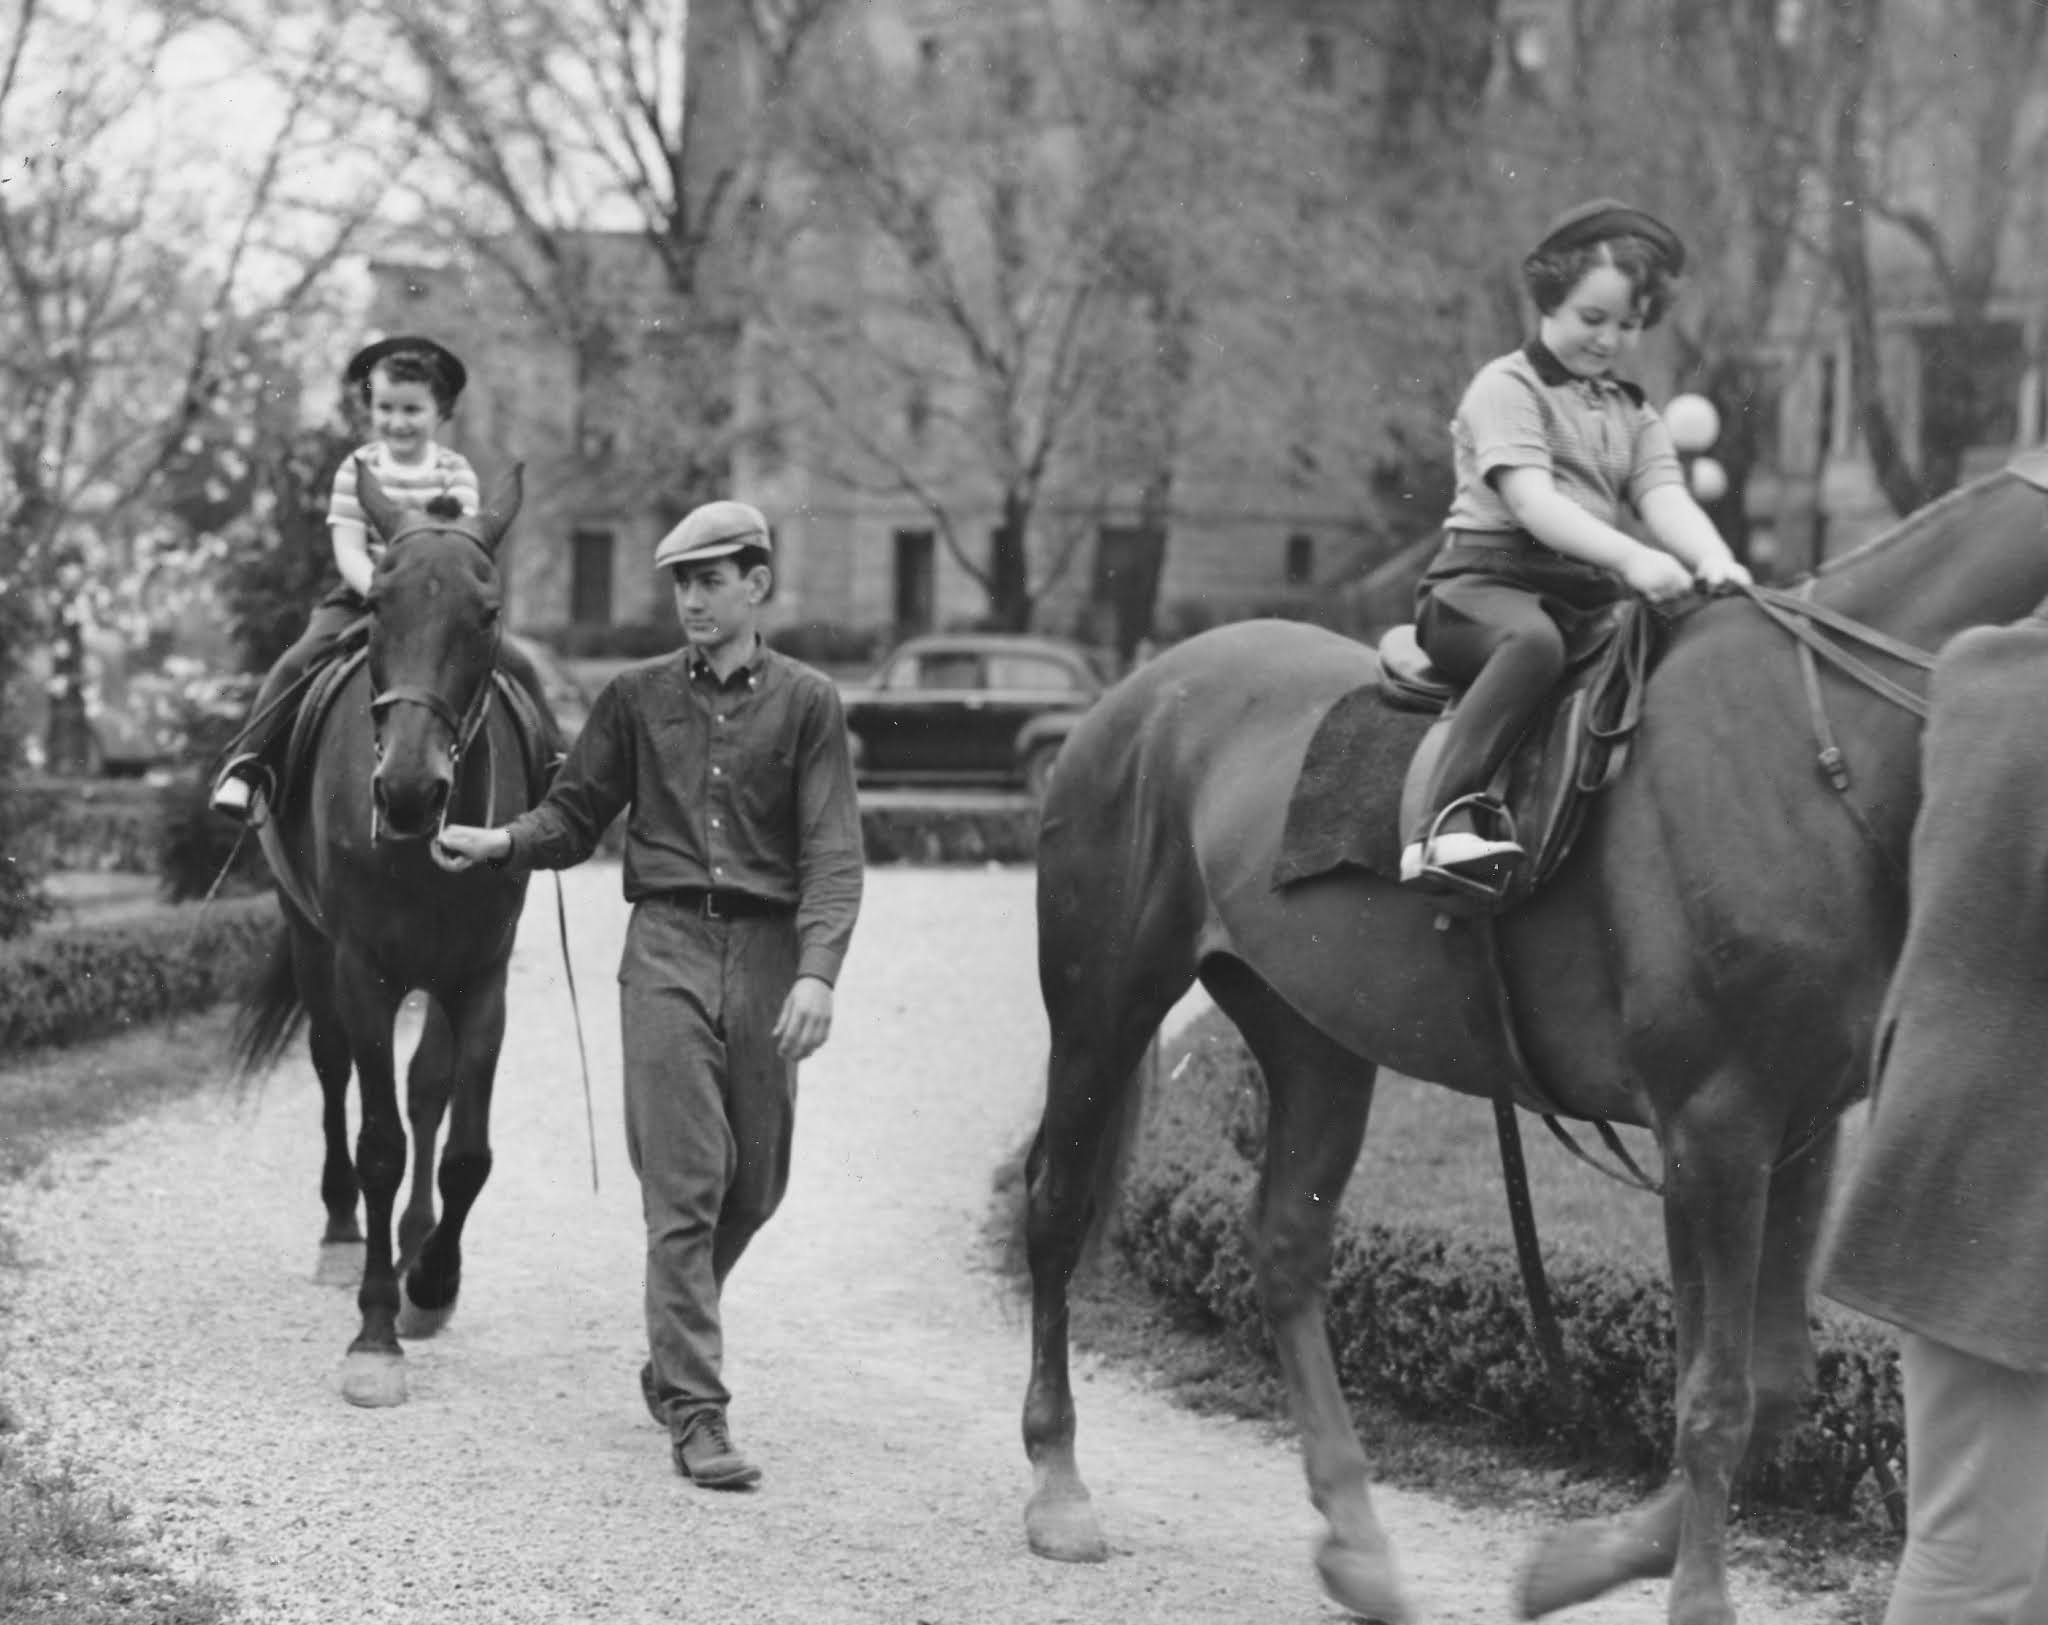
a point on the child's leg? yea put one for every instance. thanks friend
(1500, 641)
(248, 756)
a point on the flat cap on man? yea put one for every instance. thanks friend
(1605, 217)
(714, 531)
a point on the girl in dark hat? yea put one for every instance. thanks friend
(409, 385)
(1549, 448)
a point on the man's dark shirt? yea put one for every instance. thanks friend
(743, 785)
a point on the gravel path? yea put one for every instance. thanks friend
(170, 1336)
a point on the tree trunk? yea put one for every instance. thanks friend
(1849, 247)
(68, 743)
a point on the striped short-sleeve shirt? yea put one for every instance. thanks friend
(411, 485)
(1604, 446)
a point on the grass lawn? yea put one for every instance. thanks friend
(71, 1554)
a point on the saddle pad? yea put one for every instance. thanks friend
(1347, 802)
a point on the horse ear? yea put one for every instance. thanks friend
(496, 515)
(384, 514)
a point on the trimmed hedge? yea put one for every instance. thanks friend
(135, 828)
(99, 825)
(89, 981)
(1436, 1323)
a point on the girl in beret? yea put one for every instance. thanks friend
(409, 387)
(1549, 448)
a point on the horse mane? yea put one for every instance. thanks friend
(1910, 530)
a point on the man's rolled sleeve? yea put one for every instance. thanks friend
(1503, 422)
(829, 864)
(592, 788)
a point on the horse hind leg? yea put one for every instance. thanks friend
(1104, 1009)
(1319, 1096)
(340, 1261)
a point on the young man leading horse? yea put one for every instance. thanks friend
(743, 865)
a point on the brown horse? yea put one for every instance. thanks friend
(1708, 964)
(413, 738)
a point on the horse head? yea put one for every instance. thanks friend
(435, 627)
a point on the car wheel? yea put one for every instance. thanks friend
(1038, 770)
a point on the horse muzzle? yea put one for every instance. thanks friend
(410, 807)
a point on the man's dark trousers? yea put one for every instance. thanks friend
(710, 1112)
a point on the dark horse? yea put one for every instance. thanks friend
(1708, 964)
(417, 734)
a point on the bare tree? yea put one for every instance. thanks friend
(609, 160)
(135, 277)
(1936, 139)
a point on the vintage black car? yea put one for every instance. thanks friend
(969, 708)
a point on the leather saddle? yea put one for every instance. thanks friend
(1573, 750)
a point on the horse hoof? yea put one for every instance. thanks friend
(1065, 1529)
(415, 1322)
(1366, 1584)
(373, 1381)
(1568, 1567)
(340, 1264)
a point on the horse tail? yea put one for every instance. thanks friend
(272, 1011)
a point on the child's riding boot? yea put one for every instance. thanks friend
(1455, 845)
(242, 789)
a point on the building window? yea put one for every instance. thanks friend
(915, 581)
(590, 576)
(1318, 61)
(1300, 568)
(917, 411)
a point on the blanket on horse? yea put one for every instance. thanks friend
(1347, 803)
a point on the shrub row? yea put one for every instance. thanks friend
(89, 981)
(146, 829)
(1436, 1323)
(102, 825)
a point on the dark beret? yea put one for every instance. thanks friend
(364, 361)
(1605, 217)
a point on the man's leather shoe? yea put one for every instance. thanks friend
(705, 1455)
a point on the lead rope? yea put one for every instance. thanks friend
(576, 1011)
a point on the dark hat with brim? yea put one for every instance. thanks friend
(1606, 217)
(364, 361)
(717, 530)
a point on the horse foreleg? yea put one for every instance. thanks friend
(428, 1082)
(1717, 1180)
(476, 1034)
(1783, 1361)
(341, 1244)
(1319, 1097)
(373, 1373)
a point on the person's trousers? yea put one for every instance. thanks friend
(1501, 641)
(710, 1115)
(269, 718)
(1976, 1491)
